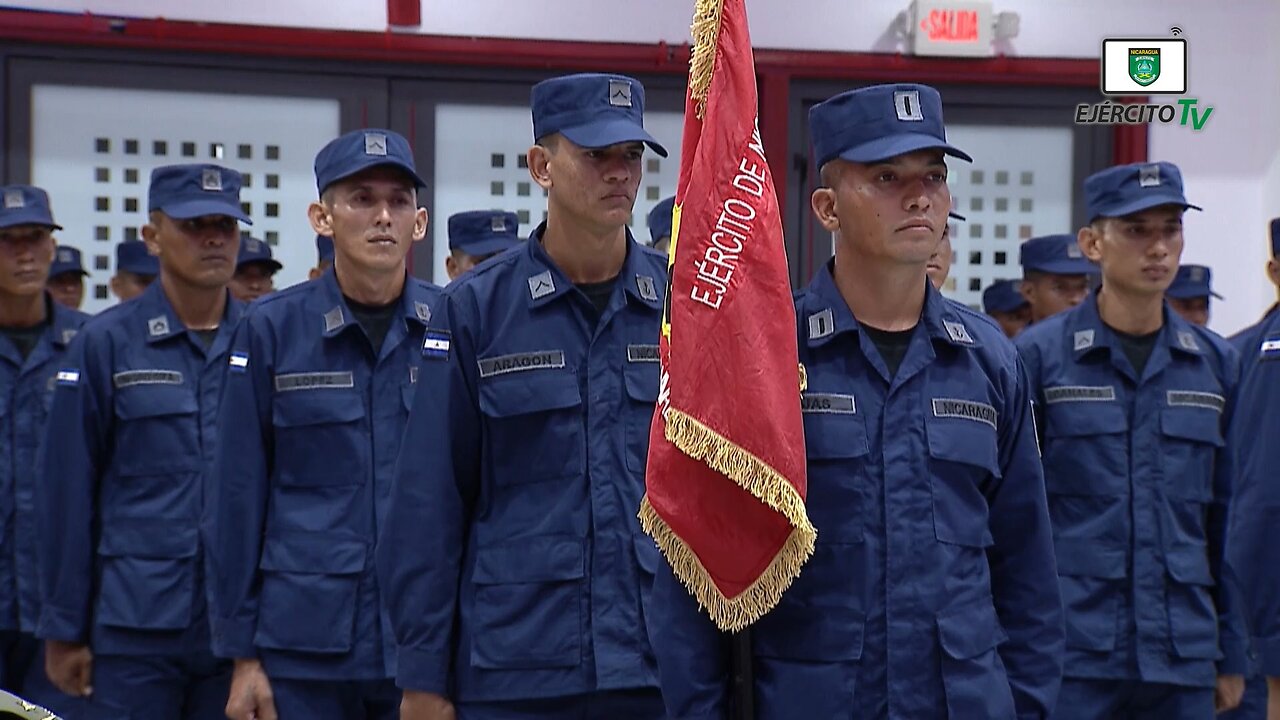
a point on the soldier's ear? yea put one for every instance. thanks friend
(539, 158)
(823, 202)
(1089, 239)
(321, 220)
(151, 236)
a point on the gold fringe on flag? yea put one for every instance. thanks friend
(766, 484)
(736, 613)
(702, 60)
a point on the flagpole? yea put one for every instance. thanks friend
(743, 690)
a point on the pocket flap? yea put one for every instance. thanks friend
(300, 408)
(506, 397)
(1083, 419)
(834, 436)
(641, 380)
(531, 561)
(148, 538)
(1189, 565)
(142, 401)
(970, 442)
(1195, 424)
(1087, 560)
(314, 553)
(648, 555)
(970, 630)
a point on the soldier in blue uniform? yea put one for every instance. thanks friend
(514, 565)
(1190, 292)
(660, 225)
(324, 256)
(1003, 302)
(317, 393)
(930, 592)
(1055, 274)
(66, 278)
(131, 433)
(1133, 403)
(476, 236)
(1245, 341)
(136, 269)
(1256, 418)
(1255, 510)
(255, 268)
(37, 331)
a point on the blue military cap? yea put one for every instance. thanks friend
(483, 232)
(189, 191)
(25, 205)
(592, 110)
(1056, 255)
(1127, 189)
(324, 248)
(660, 219)
(253, 250)
(132, 256)
(360, 150)
(1192, 281)
(1275, 237)
(1002, 296)
(67, 260)
(879, 122)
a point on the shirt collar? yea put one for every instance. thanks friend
(544, 281)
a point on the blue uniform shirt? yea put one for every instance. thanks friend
(1246, 341)
(931, 591)
(512, 558)
(130, 434)
(1138, 482)
(26, 390)
(311, 423)
(1255, 512)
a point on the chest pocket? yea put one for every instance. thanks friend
(963, 458)
(535, 426)
(837, 453)
(157, 429)
(320, 437)
(641, 381)
(1190, 441)
(1086, 449)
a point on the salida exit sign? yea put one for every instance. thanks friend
(951, 27)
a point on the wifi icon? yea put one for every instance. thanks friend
(1175, 31)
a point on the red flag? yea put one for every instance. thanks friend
(726, 473)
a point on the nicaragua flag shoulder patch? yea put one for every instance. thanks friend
(435, 344)
(1269, 349)
(69, 377)
(238, 362)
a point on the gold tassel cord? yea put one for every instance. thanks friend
(729, 614)
(702, 60)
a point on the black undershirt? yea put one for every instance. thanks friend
(599, 293)
(891, 344)
(25, 339)
(1137, 348)
(374, 319)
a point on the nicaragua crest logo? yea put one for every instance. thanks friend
(1144, 65)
